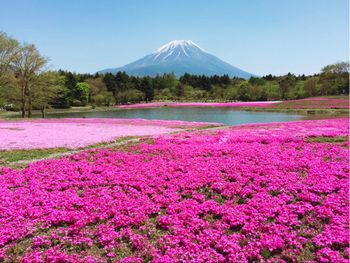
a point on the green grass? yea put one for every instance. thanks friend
(344, 97)
(324, 139)
(37, 113)
(324, 112)
(13, 156)
(9, 114)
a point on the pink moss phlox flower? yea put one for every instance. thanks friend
(253, 193)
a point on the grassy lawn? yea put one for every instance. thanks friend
(324, 139)
(37, 114)
(325, 112)
(10, 158)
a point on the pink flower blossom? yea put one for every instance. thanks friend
(251, 193)
(74, 133)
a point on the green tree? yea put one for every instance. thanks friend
(99, 95)
(10, 96)
(49, 86)
(147, 88)
(243, 91)
(257, 93)
(27, 64)
(217, 92)
(257, 81)
(311, 87)
(180, 90)
(272, 90)
(334, 79)
(81, 92)
(163, 94)
(231, 93)
(286, 84)
(9, 48)
(110, 82)
(130, 96)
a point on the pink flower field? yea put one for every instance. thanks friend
(75, 133)
(315, 103)
(251, 193)
(199, 104)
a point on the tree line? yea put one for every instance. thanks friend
(26, 84)
(120, 88)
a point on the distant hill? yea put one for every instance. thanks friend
(179, 57)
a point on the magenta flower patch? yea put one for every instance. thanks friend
(252, 193)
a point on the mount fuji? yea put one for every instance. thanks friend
(180, 57)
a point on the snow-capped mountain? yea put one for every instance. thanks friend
(179, 57)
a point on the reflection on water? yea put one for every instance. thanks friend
(224, 115)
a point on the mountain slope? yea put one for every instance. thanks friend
(179, 57)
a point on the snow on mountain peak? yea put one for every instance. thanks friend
(180, 57)
(177, 43)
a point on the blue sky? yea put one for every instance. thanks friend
(259, 36)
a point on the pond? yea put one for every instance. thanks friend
(226, 115)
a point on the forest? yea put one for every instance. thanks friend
(26, 84)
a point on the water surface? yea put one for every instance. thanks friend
(224, 115)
